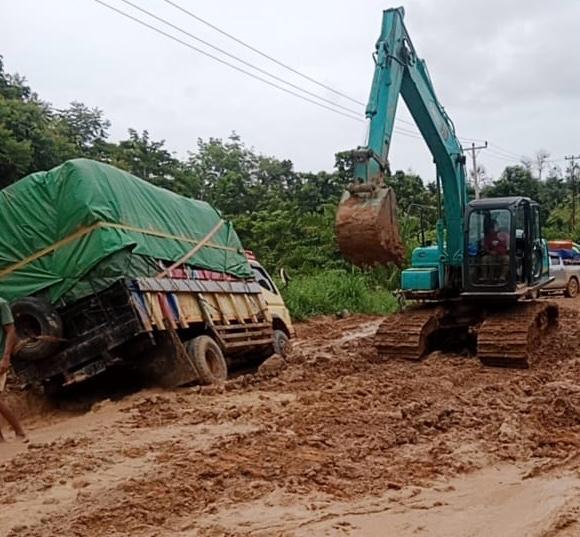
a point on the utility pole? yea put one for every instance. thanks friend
(572, 159)
(473, 149)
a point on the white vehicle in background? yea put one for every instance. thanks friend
(566, 275)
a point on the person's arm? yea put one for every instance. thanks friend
(507, 240)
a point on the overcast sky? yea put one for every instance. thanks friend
(506, 71)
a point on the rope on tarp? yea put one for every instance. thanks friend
(192, 252)
(99, 225)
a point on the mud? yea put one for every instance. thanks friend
(367, 230)
(335, 442)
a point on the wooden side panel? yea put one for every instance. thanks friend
(184, 308)
(189, 308)
(154, 310)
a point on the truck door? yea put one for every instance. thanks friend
(557, 270)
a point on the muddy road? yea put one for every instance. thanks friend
(336, 442)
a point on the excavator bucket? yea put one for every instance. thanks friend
(367, 228)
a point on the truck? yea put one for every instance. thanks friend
(102, 268)
(566, 273)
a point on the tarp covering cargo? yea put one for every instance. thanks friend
(69, 231)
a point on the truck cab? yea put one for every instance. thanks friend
(281, 319)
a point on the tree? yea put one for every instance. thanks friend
(86, 127)
(527, 163)
(30, 138)
(514, 181)
(541, 159)
(144, 158)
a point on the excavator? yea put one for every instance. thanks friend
(477, 287)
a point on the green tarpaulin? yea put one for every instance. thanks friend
(60, 229)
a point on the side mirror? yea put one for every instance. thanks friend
(284, 278)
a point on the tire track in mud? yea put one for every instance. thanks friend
(336, 425)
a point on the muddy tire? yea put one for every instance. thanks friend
(282, 345)
(208, 360)
(38, 329)
(572, 288)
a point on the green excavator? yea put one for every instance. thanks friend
(477, 287)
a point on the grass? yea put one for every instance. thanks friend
(333, 291)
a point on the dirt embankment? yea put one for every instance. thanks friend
(336, 442)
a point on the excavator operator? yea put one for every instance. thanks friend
(496, 258)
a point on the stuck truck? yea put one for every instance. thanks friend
(102, 268)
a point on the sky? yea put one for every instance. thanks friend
(507, 72)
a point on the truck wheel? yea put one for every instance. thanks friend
(208, 360)
(38, 328)
(282, 343)
(572, 288)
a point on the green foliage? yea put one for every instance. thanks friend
(34, 136)
(285, 216)
(514, 181)
(554, 195)
(86, 128)
(333, 291)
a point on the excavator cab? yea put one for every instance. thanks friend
(504, 251)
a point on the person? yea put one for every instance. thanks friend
(496, 244)
(7, 344)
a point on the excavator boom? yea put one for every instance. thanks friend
(366, 223)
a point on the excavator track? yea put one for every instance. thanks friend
(507, 338)
(406, 335)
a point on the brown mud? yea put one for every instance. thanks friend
(334, 442)
(367, 229)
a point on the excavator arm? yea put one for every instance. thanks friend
(367, 228)
(484, 282)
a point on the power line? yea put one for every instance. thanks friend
(332, 105)
(278, 62)
(406, 122)
(234, 57)
(414, 134)
(499, 149)
(471, 140)
(288, 67)
(295, 71)
(497, 157)
(224, 62)
(263, 54)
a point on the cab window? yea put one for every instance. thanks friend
(488, 246)
(264, 280)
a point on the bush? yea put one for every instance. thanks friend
(332, 291)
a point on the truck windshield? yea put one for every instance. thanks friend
(263, 279)
(488, 246)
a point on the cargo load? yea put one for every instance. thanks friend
(74, 230)
(103, 269)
